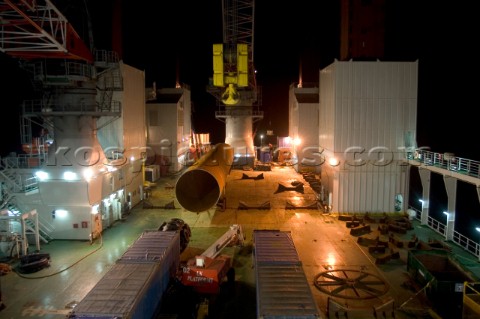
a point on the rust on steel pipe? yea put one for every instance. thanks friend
(201, 186)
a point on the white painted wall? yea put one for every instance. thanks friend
(367, 117)
(169, 126)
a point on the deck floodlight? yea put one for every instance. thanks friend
(333, 162)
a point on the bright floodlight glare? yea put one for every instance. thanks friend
(69, 176)
(88, 174)
(61, 213)
(41, 175)
(477, 229)
(333, 161)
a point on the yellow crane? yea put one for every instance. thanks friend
(233, 83)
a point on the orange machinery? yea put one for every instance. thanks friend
(206, 272)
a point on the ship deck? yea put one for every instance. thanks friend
(326, 246)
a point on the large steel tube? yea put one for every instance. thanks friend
(201, 186)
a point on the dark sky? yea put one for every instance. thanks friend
(173, 39)
(180, 44)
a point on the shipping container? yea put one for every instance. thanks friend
(281, 285)
(134, 286)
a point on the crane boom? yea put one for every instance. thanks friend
(232, 236)
(238, 18)
(30, 30)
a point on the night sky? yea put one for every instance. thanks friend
(173, 40)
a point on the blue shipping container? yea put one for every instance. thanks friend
(282, 288)
(134, 286)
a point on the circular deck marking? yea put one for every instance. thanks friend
(350, 284)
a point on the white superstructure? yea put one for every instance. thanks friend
(366, 123)
(86, 169)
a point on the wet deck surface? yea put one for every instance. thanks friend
(350, 280)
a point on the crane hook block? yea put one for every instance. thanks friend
(230, 96)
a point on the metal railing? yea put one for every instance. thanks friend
(437, 226)
(239, 112)
(36, 107)
(446, 161)
(451, 163)
(107, 57)
(459, 239)
(61, 72)
(16, 181)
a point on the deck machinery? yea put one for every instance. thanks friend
(206, 272)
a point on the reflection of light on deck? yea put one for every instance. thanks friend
(100, 267)
(298, 215)
(113, 255)
(331, 259)
(296, 200)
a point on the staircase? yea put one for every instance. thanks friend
(12, 182)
